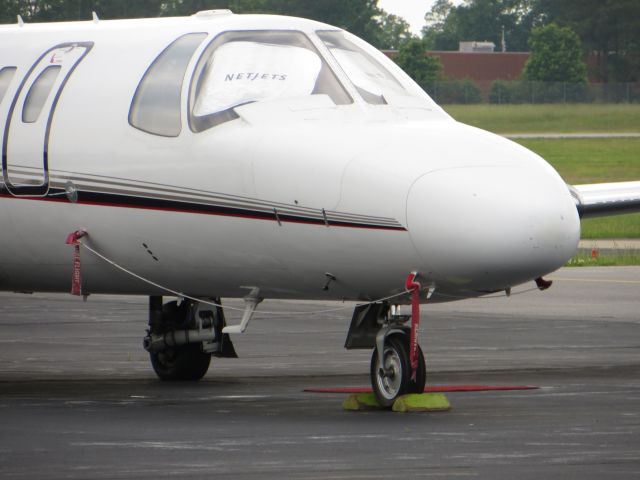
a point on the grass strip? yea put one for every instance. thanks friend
(550, 118)
(582, 161)
(613, 259)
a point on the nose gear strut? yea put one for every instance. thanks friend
(397, 362)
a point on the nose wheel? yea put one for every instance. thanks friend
(393, 377)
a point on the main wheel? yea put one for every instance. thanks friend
(187, 362)
(393, 379)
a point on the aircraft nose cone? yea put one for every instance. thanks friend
(492, 227)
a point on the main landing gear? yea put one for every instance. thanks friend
(183, 336)
(378, 326)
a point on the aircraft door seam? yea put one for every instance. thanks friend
(38, 190)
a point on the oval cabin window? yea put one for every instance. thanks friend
(6, 75)
(38, 93)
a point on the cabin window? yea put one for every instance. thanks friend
(38, 93)
(244, 67)
(370, 77)
(156, 104)
(6, 75)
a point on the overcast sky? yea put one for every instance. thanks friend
(411, 10)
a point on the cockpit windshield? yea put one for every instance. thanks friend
(375, 77)
(242, 67)
(245, 67)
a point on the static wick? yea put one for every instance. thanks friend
(94, 15)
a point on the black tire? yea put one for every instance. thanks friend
(184, 363)
(388, 388)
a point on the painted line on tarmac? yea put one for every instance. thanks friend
(562, 136)
(595, 280)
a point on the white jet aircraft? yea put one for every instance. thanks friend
(223, 155)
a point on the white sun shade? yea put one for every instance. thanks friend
(243, 72)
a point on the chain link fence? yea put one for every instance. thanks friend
(521, 92)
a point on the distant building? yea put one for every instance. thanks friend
(476, 47)
(482, 67)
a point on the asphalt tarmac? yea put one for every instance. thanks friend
(78, 398)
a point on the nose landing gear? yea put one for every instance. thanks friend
(397, 364)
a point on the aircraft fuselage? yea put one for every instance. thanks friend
(279, 193)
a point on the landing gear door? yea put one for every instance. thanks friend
(25, 155)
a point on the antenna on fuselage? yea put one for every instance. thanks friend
(20, 21)
(94, 15)
(212, 13)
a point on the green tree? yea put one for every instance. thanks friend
(458, 91)
(394, 31)
(610, 28)
(556, 56)
(481, 20)
(57, 10)
(413, 60)
(441, 31)
(10, 9)
(361, 17)
(171, 8)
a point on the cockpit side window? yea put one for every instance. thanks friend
(156, 104)
(372, 79)
(251, 66)
(6, 75)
